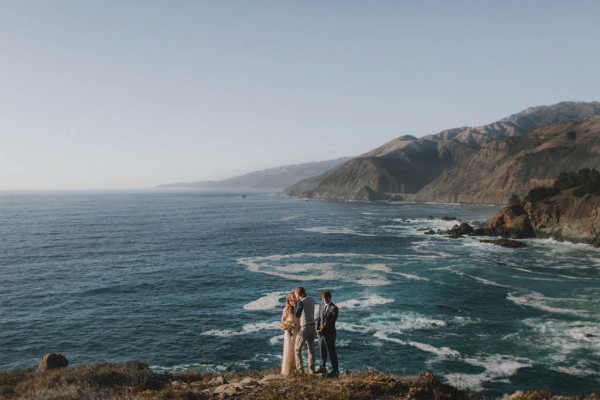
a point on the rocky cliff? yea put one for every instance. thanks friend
(517, 164)
(561, 217)
(407, 164)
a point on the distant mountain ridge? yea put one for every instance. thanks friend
(518, 164)
(273, 178)
(407, 164)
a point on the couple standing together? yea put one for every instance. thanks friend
(302, 325)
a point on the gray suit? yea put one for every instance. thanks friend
(326, 322)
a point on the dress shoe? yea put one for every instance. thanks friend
(321, 371)
(334, 374)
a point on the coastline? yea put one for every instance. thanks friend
(135, 380)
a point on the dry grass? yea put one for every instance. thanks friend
(134, 380)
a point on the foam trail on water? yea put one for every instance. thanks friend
(366, 302)
(379, 267)
(442, 352)
(334, 230)
(497, 367)
(339, 267)
(267, 302)
(411, 276)
(539, 301)
(246, 329)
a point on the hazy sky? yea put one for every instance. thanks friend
(130, 94)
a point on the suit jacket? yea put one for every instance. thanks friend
(326, 320)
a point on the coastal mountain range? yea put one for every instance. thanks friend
(483, 164)
(276, 178)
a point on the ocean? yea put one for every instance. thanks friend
(192, 280)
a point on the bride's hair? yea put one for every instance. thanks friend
(289, 308)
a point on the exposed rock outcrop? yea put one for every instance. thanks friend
(406, 164)
(52, 361)
(562, 217)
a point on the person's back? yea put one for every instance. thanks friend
(305, 311)
(308, 316)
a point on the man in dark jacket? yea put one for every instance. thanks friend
(325, 322)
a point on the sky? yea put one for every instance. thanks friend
(124, 94)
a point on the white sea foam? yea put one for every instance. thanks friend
(421, 249)
(399, 323)
(577, 370)
(345, 326)
(339, 267)
(411, 276)
(497, 368)
(482, 280)
(267, 302)
(245, 330)
(564, 339)
(374, 281)
(379, 267)
(440, 352)
(238, 365)
(334, 230)
(365, 302)
(541, 302)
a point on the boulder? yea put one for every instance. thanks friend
(52, 361)
(218, 380)
(512, 222)
(458, 231)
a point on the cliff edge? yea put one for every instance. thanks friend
(564, 217)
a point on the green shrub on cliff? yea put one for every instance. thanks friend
(586, 181)
(542, 193)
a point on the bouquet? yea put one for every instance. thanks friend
(287, 326)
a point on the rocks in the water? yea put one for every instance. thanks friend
(429, 232)
(458, 231)
(448, 218)
(52, 361)
(513, 244)
(512, 222)
(589, 335)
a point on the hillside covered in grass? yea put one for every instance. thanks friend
(135, 380)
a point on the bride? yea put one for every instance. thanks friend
(288, 318)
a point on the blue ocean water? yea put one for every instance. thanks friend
(197, 280)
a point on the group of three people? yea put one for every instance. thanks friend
(303, 326)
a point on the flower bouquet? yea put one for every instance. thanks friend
(287, 326)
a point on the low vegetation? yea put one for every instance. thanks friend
(585, 181)
(135, 380)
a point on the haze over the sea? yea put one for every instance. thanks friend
(128, 94)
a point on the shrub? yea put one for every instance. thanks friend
(587, 181)
(514, 200)
(542, 193)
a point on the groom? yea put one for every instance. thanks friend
(305, 311)
(326, 317)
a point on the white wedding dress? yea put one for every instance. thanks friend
(288, 364)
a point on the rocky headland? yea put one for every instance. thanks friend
(563, 217)
(135, 380)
